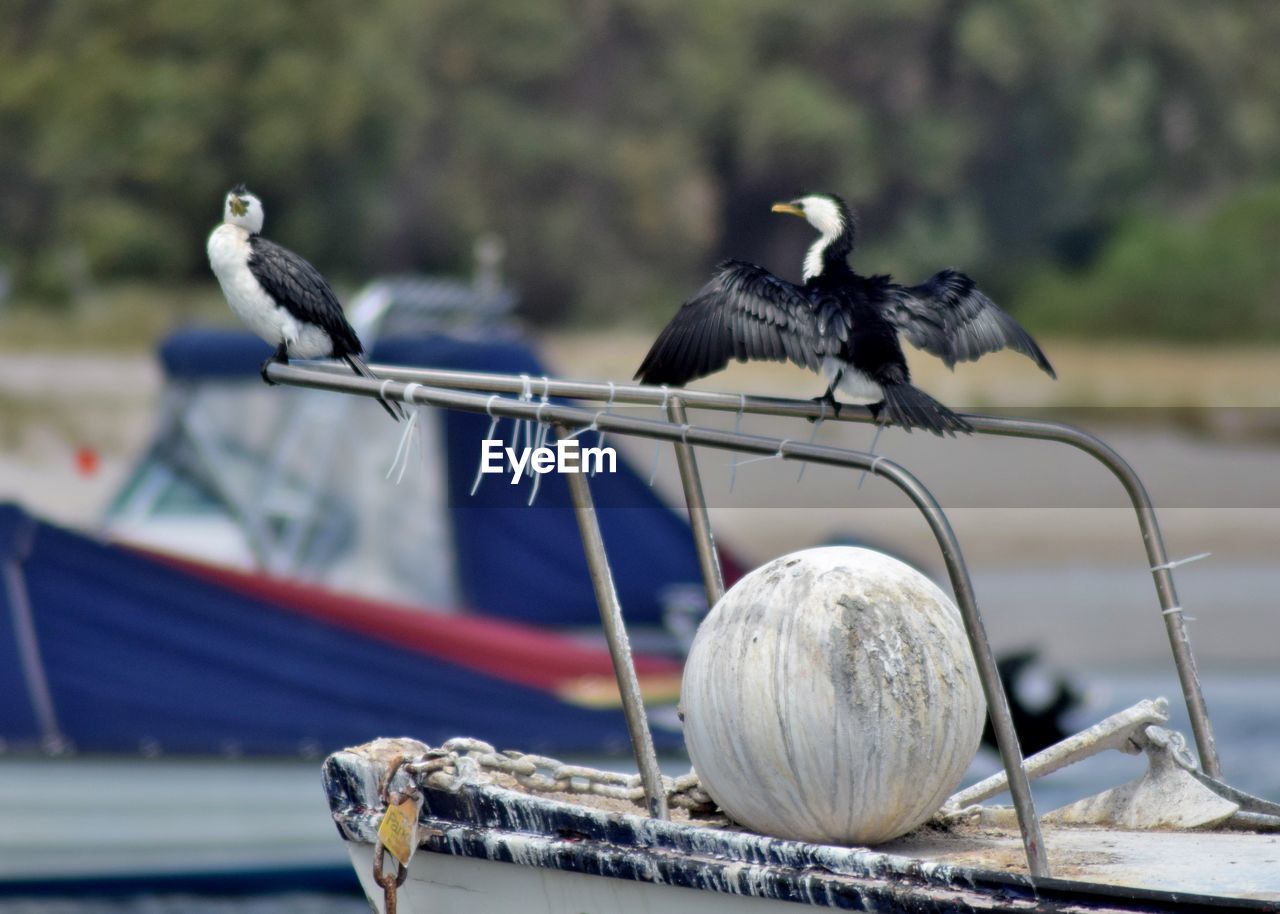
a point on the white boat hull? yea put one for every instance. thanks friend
(439, 882)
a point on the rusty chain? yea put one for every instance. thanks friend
(539, 773)
(463, 757)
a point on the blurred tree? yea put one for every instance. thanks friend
(620, 146)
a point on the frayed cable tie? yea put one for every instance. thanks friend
(405, 447)
(657, 445)
(776, 455)
(813, 436)
(493, 426)
(593, 427)
(875, 439)
(540, 439)
(1187, 561)
(543, 432)
(524, 436)
(599, 431)
(737, 427)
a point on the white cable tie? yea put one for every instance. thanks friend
(653, 471)
(599, 431)
(405, 447)
(776, 455)
(407, 394)
(493, 425)
(875, 439)
(1177, 610)
(540, 440)
(533, 491)
(737, 427)
(524, 436)
(1187, 561)
(593, 427)
(657, 445)
(817, 423)
(684, 432)
(382, 388)
(544, 431)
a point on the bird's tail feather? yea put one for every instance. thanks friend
(395, 410)
(911, 407)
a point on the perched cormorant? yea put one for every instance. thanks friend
(281, 297)
(839, 322)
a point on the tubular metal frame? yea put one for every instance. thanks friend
(414, 392)
(1149, 527)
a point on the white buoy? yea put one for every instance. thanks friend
(831, 696)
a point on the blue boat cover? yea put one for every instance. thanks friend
(116, 650)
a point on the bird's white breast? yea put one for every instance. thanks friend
(229, 257)
(853, 382)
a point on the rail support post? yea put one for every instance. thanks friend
(703, 539)
(615, 631)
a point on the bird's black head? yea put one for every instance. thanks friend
(240, 190)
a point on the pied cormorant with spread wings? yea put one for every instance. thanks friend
(279, 295)
(838, 322)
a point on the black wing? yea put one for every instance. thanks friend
(947, 316)
(299, 287)
(744, 312)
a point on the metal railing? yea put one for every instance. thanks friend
(1149, 528)
(686, 436)
(450, 389)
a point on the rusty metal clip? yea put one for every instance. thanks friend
(388, 882)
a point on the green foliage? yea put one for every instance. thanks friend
(1213, 278)
(621, 146)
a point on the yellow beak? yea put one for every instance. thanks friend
(788, 208)
(238, 206)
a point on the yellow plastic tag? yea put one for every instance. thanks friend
(399, 830)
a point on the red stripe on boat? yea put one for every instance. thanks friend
(507, 650)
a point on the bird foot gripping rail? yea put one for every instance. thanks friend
(498, 395)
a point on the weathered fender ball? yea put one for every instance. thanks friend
(831, 696)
